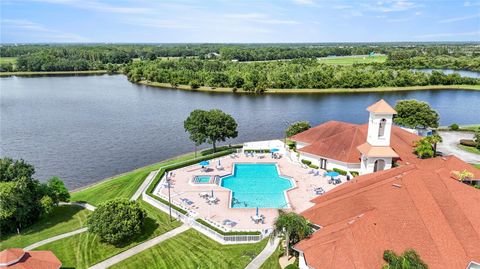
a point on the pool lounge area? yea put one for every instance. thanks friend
(248, 192)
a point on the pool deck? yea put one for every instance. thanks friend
(299, 196)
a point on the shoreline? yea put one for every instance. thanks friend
(41, 73)
(312, 91)
(241, 91)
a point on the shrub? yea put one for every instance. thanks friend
(194, 84)
(291, 266)
(306, 162)
(117, 220)
(354, 173)
(454, 127)
(340, 171)
(313, 166)
(468, 142)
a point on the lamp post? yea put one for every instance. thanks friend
(169, 197)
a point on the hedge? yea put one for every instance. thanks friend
(201, 221)
(354, 173)
(306, 162)
(313, 166)
(257, 150)
(340, 171)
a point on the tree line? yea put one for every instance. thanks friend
(295, 74)
(108, 56)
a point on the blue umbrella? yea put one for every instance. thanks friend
(257, 211)
(333, 174)
(204, 163)
(274, 150)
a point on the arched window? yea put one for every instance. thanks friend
(381, 127)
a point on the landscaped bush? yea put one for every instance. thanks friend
(454, 127)
(468, 142)
(306, 162)
(201, 221)
(340, 171)
(117, 220)
(257, 150)
(313, 166)
(354, 173)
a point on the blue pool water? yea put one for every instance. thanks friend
(202, 179)
(257, 185)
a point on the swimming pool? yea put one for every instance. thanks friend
(257, 185)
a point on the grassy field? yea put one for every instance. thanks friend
(6, 60)
(122, 186)
(353, 60)
(477, 165)
(316, 91)
(191, 249)
(85, 249)
(272, 261)
(470, 149)
(63, 219)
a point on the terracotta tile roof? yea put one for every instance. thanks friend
(16, 258)
(417, 206)
(381, 107)
(339, 141)
(371, 151)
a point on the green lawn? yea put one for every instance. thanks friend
(272, 261)
(63, 219)
(470, 149)
(193, 250)
(477, 165)
(6, 60)
(353, 60)
(123, 186)
(85, 249)
(473, 127)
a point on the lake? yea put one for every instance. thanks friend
(463, 73)
(86, 128)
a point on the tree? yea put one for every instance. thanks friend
(297, 127)
(454, 127)
(11, 170)
(57, 191)
(413, 114)
(434, 140)
(477, 139)
(423, 148)
(117, 220)
(408, 260)
(295, 228)
(210, 126)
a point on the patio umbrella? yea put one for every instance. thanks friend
(212, 193)
(204, 163)
(219, 164)
(257, 211)
(274, 150)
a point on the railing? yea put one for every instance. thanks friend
(229, 239)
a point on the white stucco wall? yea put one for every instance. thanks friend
(368, 166)
(301, 145)
(373, 126)
(330, 162)
(302, 264)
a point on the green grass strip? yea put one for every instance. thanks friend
(201, 221)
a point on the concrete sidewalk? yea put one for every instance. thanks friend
(263, 256)
(139, 248)
(55, 238)
(144, 185)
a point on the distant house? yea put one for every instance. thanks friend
(17, 258)
(419, 206)
(364, 148)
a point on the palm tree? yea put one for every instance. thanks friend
(424, 149)
(293, 226)
(408, 260)
(434, 139)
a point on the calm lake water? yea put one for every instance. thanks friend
(463, 73)
(87, 128)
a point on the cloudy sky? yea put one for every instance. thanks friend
(170, 21)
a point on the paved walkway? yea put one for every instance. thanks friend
(144, 185)
(55, 238)
(450, 142)
(84, 205)
(263, 256)
(139, 248)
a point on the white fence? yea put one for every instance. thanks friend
(223, 239)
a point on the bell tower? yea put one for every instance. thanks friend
(380, 123)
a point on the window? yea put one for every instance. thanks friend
(381, 128)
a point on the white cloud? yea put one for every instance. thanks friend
(98, 6)
(463, 18)
(26, 28)
(391, 6)
(259, 18)
(304, 2)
